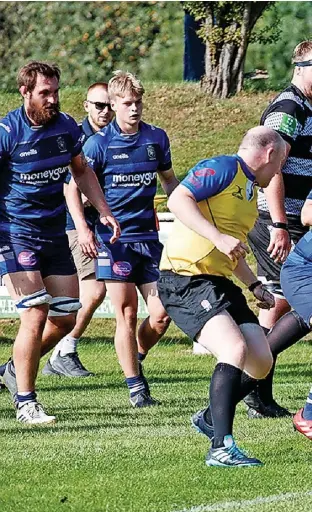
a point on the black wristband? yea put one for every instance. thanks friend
(254, 285)
(280, 225)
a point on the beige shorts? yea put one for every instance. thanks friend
(84, 264)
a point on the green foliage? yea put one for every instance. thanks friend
(165, 60)
(88, 40)
(226, 21)
(295, 24)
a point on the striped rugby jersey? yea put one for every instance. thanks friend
(290, 114)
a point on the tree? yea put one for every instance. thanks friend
(226, 28)
(87, 39)
(276, 58)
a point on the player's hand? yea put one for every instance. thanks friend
(280, 245)
(231, 247)
(111, 222)
(88, 243)
(265, 298)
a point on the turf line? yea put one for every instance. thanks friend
(232, 505)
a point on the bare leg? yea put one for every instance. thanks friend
(156, 324)
(58, 326)
(125, 300)
(269, 317)
(91, 295)
(26, 349)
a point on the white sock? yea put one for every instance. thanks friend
(69, 345)
(56, 350)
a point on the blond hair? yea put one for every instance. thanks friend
(124, 82)
(301, 51)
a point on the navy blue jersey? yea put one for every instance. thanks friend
(33, 167)
(91, 214)
(126, 166)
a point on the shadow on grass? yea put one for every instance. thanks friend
(294, 371)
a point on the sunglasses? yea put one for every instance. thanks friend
(99, 105)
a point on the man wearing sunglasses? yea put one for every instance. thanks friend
(64, 359)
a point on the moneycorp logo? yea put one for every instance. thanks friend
(49, 174)
(134, 180)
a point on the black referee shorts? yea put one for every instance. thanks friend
(192, 301)
(259, 239)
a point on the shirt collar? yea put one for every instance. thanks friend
(118, 130)
(245, 169)
(87, 128)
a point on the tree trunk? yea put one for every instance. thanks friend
(224, 61)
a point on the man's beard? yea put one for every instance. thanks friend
(42, 115)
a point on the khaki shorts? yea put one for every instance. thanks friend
(84, 264)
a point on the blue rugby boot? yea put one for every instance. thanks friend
(199, 422)
(230, 455)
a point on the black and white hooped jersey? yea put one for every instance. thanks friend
(33, 167)
(290, 114)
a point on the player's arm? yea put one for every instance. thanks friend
(183, 204)
(280, 243)
(86, 237)
(168, 181)
(165, 171)
(244, 273)
(88, 183)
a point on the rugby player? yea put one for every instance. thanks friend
(215, 208)
(280, 204)
(64, 359)
(37, 144)
(127, 156)
(296, 281)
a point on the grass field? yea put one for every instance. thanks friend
(104, 456)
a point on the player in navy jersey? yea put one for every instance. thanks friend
(296, 281)
(37, 144)
(64, 359)
(127, 157)
(279, 225)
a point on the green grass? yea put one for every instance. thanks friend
(104, 456)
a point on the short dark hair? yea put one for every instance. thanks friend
(104, 85)
(27, 75)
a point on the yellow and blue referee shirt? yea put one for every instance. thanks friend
(224, 189)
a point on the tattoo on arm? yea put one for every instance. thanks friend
(83, 160)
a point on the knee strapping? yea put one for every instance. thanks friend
(32, 300)
(62, 306)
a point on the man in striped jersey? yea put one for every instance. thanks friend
(279, 227)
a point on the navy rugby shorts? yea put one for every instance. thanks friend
(130, 262)
(296, 281)
(20, 253)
